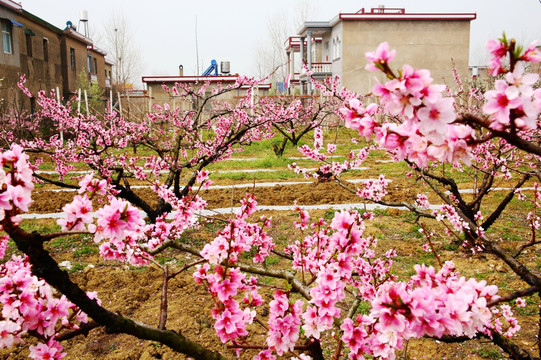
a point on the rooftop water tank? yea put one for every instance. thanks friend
(83, 16)
(224, 67)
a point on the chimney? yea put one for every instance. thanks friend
(180, 70)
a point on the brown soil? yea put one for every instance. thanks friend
(314, 193)
(136, 293)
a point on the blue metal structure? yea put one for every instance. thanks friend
(213, 67)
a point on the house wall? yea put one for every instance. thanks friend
(9, 62)
(108, 73)
(48, 65)
(72, 73)
(337, 61)
(100, 71)
(13, 58)
(427, 44)
(43, 65)
(161, 97)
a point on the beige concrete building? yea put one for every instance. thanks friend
(50, 57)
(156, 94)
(337, 47)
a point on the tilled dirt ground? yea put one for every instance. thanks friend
(314, 193)
(136, 292)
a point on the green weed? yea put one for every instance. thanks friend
(490, 352)
(85, 250)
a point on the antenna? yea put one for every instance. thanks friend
(83, 18)
(197, 48)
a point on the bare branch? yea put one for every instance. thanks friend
(526, 292)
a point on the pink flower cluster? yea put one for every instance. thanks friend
(426, 128)
(318, 138)
(359, 118)
(77, 214)
(425, 131)
(506, 313)
(226, 282)
(336, 258)
(118, 227)
(184, 209)
(514, 104)
(374, 190)
(203, 178)
(29, 305)
(15, 184)
(284, 322)
(328, 291)
(331, 255)
(422, 202)
(429, 304)
(238, 237)
(93, 186)
(500, 48)
(379, 58)
(449, 212)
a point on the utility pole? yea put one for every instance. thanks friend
(118, 60)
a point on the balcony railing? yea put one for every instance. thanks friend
(107, 82)
(93, 78)
(321, 67)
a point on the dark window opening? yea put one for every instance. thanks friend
(45, 49)
(72, 58)
(28, 44)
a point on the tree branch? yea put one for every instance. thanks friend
(295, 283)
(512, 139)
(54, 182)
(525, 292)
(44, 266)
(501, 207)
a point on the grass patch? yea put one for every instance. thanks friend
(364, 308)
(271, 260)
(490, 352)
(403, 265)
(85, 250)
(42, 227)
(451, 246)
(77, 266)
(329, 214)
(267, 175)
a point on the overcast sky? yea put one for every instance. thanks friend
(232, 30)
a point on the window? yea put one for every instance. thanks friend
(6, 37)
(72, 58)
(45, 49)
(92, 65)
(32, 105)
(336, 47)
(89, 64)
(326, 51)
(28, 44)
